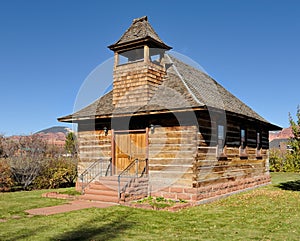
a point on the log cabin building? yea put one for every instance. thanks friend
(166, 129)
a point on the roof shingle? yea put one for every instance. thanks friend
(140, 29)
(184, 88)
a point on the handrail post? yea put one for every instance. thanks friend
(136, 167)
(82, 183)
(111, 167)
(101, 168)
(93, 171)
(147, 163)
(119, 187)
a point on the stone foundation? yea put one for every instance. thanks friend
(136, 190)
(211, 191)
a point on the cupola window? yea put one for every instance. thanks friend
(133, 55)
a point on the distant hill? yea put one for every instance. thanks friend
(279, 139)
(55, 129)
(55, 135)
(285, 133)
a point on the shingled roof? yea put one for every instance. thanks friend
(139, 31)
(184, 88)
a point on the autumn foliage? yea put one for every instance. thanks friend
(29, 162)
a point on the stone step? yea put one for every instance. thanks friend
(107, 185)
(101, 192)
(93, 197)
(106, 189)
(99, 187)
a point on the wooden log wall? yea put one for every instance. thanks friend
(214, 176)
(172, 151)
(209, 169)
(93, 145)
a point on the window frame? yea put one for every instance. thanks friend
(131, 56)
(243, 142)
(221, 141)
(258, 143)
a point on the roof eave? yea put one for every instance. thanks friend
(72, 119)
(138, 42)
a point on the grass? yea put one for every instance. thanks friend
(268, 213)
(69, 191)
(157, 203)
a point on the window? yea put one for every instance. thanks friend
(131, 56)
(258, 143)
(155, 58)
(221, 140)
(243, 142)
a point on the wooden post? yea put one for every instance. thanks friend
(113, 160)
(116, 63)
(147, 142)
(146, 54)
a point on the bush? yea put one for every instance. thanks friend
(292, 163)
(57, 173)
(283, 162)
(25, 170)
(6, 181)
(276, 161)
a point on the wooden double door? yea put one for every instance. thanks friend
(129, 146)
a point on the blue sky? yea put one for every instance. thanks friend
(48, 48)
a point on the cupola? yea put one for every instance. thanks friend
(138, 64)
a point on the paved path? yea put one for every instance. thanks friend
(72, 206)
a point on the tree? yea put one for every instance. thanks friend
(28, 163)
(1, 145)
(6, 181)
(54, 151)
(9, 147)
(293, 158)
(71, 144)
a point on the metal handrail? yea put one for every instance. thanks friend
(95, 170)
(126, 174)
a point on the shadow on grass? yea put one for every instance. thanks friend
(291, 185)
(17, 236)
(99, 229)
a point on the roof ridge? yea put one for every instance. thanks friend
(182, 79)
(219, 92)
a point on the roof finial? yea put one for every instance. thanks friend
(144, 18)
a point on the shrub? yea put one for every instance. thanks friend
(6, 181)
(58, 172)
(292, 163)
(25, 170)
(276, 161)
(283, 162)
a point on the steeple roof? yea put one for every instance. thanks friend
(139, 33)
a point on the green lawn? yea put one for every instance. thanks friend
(267, 213)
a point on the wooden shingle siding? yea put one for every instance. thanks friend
(135, 83)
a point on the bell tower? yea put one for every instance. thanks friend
(138, 65)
